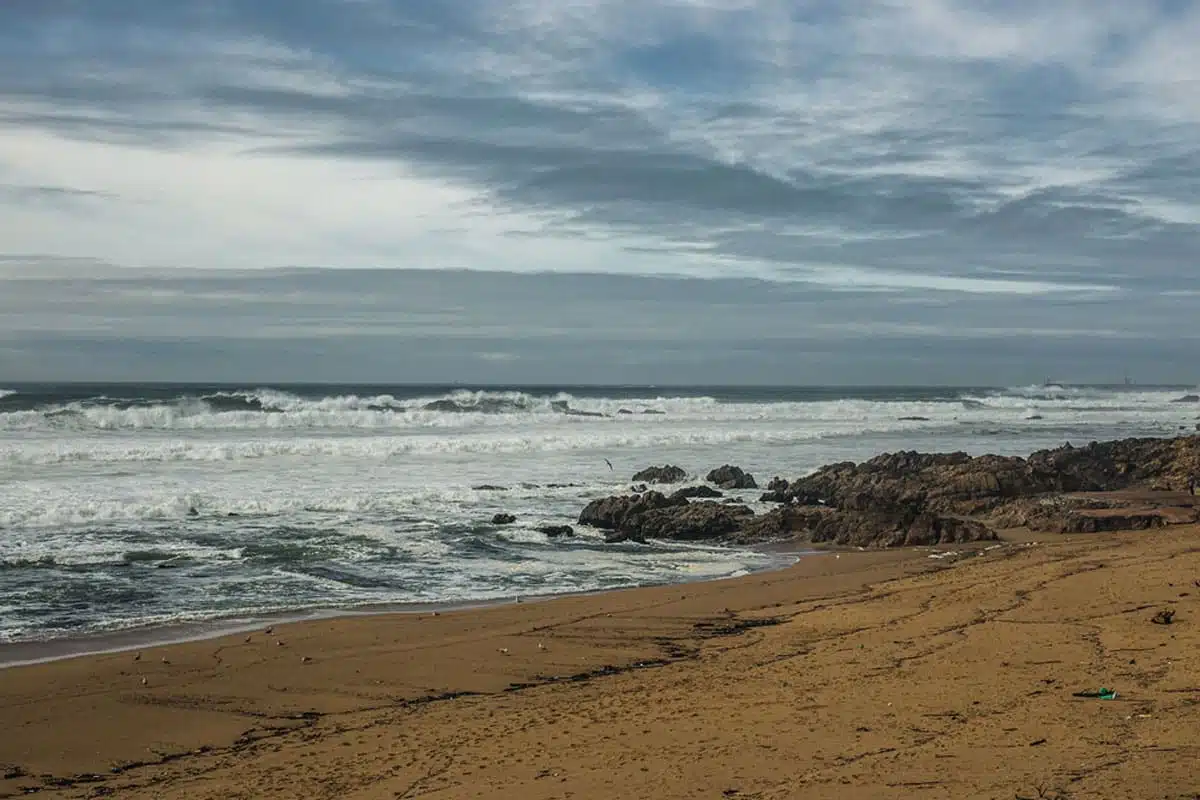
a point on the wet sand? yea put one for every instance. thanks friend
(864, 675)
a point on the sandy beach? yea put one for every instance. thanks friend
(872, 675)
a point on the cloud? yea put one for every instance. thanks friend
(467, 326)
(905, 149)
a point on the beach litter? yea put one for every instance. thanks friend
(1164, 617)
(1099, 694)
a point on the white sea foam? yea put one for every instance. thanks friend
(234, 502)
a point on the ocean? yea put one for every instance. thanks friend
(126, 506)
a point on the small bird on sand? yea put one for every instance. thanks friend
(503, 651)
(144, 681)
(305, 659)
(270, 630)
(137, 656)
(247, 640)
(165, 661)
(279, 643)
(541, 645)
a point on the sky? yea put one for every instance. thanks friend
(578, 191)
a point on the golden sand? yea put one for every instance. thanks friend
(865, 675)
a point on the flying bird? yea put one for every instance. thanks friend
(610, 466)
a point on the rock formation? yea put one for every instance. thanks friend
(911, 498)
(668, 473)
(731, 477)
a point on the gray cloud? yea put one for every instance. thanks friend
(329, 325)
(1039, 166)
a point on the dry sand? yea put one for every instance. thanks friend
(872, 675)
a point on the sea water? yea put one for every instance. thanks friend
(124, 506)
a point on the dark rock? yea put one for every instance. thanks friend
(774, 496)
(442, 405)
(689, 492)
(957, 484)
(653, 411)
(730, 477)
(623, 512)
(664, 474)
(638, 488)
(503, 519)
(562, 407)
(913, 419)
(777, 484)
(694, 521)
(624, 411)
(487, 487)
(554, 531)
(1187, 398)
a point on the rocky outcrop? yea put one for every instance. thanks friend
(824, 525)
(624, 512)
(693, 521)
(668, 473)
(1187, 398)
(503, 519)
(910, 498)
(691, 492)
(731, 477)
(554, 531)
(1091, 514)
(958, 484)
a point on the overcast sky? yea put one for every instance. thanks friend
(715, 191)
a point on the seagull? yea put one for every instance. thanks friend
(247, 640)
(144, 681)
(270, 630)
(541, 645)
(278, 643)
(137, 656)
(305, 659)
(610, 466)
(503, 651)
(164, 660)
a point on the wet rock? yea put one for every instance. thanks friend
(622, 512)
(824, 525)
(957, 484)
(693, 522)
(554, 531)
(1187, 398)
(689, 492)
(487, 487)
(731, 477)
(913, 419)
(503, 519)
(668, 473)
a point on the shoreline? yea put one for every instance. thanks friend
(870, 675)
(43, 651)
